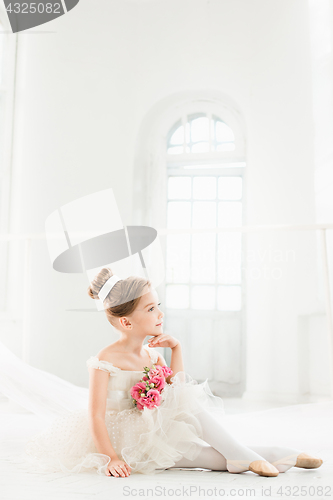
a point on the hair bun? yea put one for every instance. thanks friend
(91, 293)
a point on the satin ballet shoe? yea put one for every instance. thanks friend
(308, 461)
(261, 467)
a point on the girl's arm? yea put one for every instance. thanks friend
(98, 383)
(177, 364)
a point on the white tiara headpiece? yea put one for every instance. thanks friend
(107, 287)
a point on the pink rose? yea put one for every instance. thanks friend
(139, 406)
(157, 371)
(159, 382)
(152, 399)
(137, 390)
(166, 371)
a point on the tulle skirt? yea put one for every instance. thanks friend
(149, 440)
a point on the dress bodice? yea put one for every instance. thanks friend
(120, 381)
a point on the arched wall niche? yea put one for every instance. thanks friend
(150, 175)
(149, 172)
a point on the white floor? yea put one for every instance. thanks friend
(307, 427)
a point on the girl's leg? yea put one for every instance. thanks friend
(208, 458)
(211, 457)
(281, 457)
(238, 456)
(284, 458)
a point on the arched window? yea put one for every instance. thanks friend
(200, 134)
(204, 189)
(204, 285)
(191, 173)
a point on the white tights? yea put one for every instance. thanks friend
(223, 447)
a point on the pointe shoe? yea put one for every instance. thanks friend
(308, 461)
(261, 467)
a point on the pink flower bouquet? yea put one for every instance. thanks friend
(148, 391)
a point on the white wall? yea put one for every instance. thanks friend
(321, 36)
(85, 87)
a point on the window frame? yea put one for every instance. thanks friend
(174, 165)
(157, 177)
(171, 171)
(150, 204)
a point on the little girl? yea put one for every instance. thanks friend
(185, 430)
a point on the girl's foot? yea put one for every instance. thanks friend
(308, 461)
(298, 460)
(261, 467)
(285, 463)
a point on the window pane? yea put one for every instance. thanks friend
(203, 258)
(229, 213)
(199, 129)
(203, 297)
(200, 147)
(227, 146)
(229, 258)
(224, 133)
(230, 188)
(204, 188)
(178, 258)
(177, 296)
(177, 150)
(204, 214)
(179, 187)
(178, 136)
(179, 214)
(229, 298)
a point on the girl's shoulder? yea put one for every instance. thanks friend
(102, 361)
(152, 353)
(109, 357)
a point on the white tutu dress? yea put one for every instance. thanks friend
(149, 440)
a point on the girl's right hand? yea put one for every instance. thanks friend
(117, 468)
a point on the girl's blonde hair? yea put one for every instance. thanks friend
(126, 293)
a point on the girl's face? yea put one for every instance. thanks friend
(147, 317)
